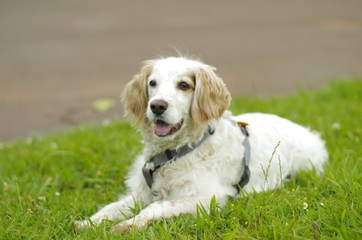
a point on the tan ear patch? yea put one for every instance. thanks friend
(211, 97)
(135, 97)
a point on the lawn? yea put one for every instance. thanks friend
(48, 182)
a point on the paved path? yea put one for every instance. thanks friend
(57, 57)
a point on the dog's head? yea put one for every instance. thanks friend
(172, 92)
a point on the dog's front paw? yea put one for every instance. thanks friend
(92, 222)
(123, 227)
(82, 224)
(138, 222)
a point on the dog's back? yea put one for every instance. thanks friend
(280, 148)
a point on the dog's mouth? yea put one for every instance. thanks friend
(163, 129)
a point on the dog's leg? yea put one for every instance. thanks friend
(113, 211)
(159, 210)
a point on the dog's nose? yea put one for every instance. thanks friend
(158, 106)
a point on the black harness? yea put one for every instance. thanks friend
(246, 158)
(162, 158)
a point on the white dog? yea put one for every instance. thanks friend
(194, 149)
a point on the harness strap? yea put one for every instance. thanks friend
(160, 159)
(246, 159)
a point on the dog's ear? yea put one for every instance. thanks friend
(135, 96)
(211, 97)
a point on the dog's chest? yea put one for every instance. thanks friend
(177, 180)
(199, 172)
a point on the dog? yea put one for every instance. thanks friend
(194, 149)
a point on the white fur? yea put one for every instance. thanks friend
(278, 148)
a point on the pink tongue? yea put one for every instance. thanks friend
(162, 129)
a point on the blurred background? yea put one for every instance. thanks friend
(65, 62)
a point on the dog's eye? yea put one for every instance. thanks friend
(153, 83)
(183, 86)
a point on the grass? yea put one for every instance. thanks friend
(46, 183)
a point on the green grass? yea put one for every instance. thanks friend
(47, 183)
